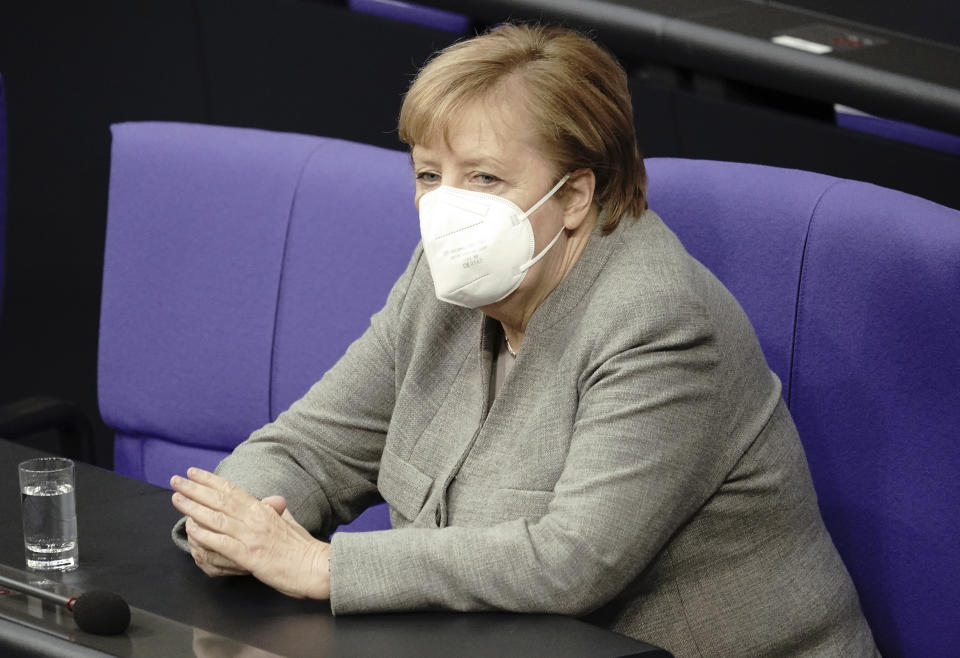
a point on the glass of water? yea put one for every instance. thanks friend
(48, 502)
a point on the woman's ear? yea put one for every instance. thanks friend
(578, 198)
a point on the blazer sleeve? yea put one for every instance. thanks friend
(644, 457)
(323, 453)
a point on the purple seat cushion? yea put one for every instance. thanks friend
(156, 459)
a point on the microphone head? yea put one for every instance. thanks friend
(102, 613)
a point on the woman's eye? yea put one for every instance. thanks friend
(428, 177)
(486, 179)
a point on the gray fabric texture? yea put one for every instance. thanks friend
(637, 468)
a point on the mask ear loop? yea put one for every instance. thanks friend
(546, 197)
(526, 266)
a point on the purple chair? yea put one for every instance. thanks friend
(854, 291)
(409, 12)
(900, 131)
(239, 265)
(234, 278)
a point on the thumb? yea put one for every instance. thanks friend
(278, 503)
(303, 532)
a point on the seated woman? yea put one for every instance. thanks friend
(565, 411)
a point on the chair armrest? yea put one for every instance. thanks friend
(23, 418)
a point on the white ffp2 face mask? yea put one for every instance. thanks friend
(479, 246)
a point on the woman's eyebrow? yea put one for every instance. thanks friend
(481, 161)
(478, 161)
(426, 161)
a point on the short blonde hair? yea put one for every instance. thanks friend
(575, 90)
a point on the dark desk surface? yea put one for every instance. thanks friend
(125, 547)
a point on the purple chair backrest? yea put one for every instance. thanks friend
(854, 291)
(239, 265)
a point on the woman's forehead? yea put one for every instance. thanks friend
(482, 130)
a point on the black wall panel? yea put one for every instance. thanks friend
(309, 68)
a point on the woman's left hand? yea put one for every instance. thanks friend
(226, 520)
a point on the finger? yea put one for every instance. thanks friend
(215, 542)
(210, 562)
(277, 503)
(201, 554)
(206, 558)
(211, 519)
(211, 568)
(214, 481)
(194, 491)
(300, 530)
(213, 491)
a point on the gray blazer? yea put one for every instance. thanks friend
(638, 468)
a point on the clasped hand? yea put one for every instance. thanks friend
(230, 532)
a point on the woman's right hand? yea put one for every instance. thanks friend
(233, 532)
(214, 564)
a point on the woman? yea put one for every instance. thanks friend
(565, 411)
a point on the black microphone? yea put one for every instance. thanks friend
(98, 612)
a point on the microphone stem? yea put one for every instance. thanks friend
(33, 590)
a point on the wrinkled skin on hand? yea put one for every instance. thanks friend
(230, 532)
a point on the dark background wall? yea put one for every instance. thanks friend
(73, 68)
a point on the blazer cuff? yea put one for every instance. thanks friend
(179, 535)
(360, 573)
